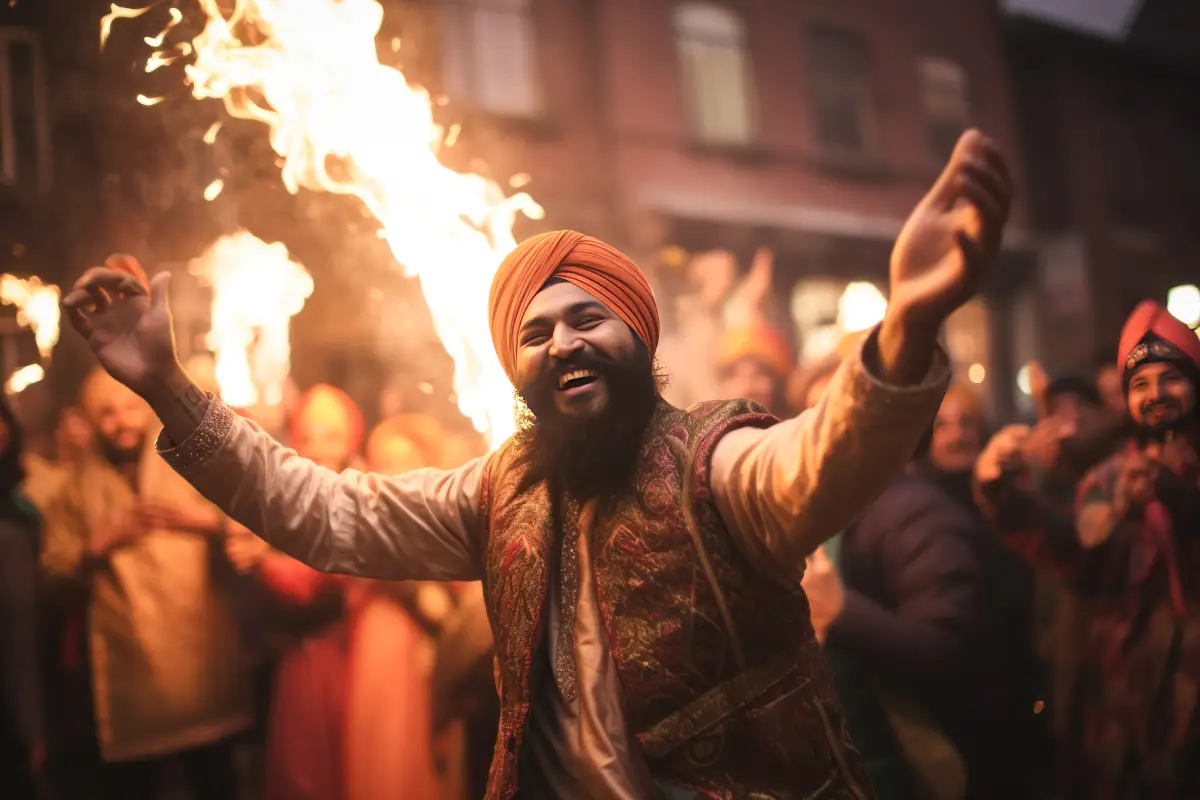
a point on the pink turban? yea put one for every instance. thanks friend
(1151, 318)
(595, 267)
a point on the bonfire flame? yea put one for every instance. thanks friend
(37, 308)
(257, 289)
(344, 123)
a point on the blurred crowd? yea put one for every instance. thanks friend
(1012, 618)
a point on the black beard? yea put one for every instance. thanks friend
(595, 456)
(118, 456)
(1185, 423)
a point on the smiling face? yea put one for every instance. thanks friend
(569, 346)
(957, 434)
(589, 384)
(1160, 397)
(121, 419)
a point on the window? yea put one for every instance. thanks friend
(489, 58)
(945, 99)
(24, 124)
(716, 72)
(843, 105)
(826, 310)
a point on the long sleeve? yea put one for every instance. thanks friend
(785, 489)
(421, 525)
(18, 627)
(920, 624)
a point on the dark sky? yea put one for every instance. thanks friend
(1108, 18)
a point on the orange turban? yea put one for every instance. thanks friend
(595, 267)
(1151, 318)
(758, 341)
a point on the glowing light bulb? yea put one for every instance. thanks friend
(1023, 380)
(860, 306)
(1183, 302)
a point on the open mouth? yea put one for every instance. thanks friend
(576, 379)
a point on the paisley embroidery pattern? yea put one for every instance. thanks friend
(666, 634)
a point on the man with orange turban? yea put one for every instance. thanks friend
(639, 561)
(754, 361)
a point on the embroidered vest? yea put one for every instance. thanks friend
(721, 673)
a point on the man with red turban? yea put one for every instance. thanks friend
(640, 562)
(1132, 554)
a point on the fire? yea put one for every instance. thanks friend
(23, 378)
(257, 289)
(115, 12)
(344, 123)
(37, 308)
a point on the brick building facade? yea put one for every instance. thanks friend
(1111, 143)
(808, 126)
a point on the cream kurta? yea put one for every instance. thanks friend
(167, 667)
(781, 492)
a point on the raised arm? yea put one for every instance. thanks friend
(421, 525)
(418, 526)
(786, 489)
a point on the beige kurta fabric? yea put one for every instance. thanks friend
(168, 669)
(781, 491)
(43, 480)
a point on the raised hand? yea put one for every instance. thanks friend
(1135, 483)
(952, 236)
(1004, 453)
(126, 322)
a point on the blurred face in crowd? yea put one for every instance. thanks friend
(957, 434)
(1108, 383)
(395, 455)
(1083, 433)
(750, 379)
(120, 418)
(73, 436)
(1161, 398)
(1076, 415)
(325, 440)
(326, 429)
